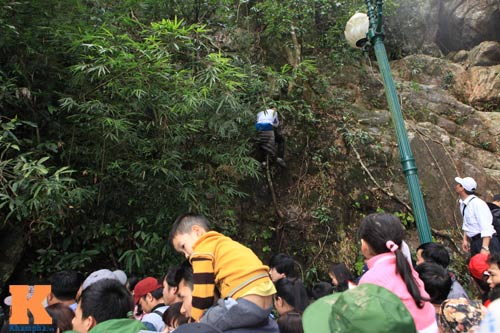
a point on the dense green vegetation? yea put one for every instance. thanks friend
(117, 116)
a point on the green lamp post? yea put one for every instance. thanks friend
(366, 31)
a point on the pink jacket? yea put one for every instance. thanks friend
(382, 272)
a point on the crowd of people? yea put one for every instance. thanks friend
(223, 286)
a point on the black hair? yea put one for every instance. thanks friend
(183, 224)
(131, 282)
(494, 258)
(470, 192)
(184, 272)
(157, 294)
(61, 316)
(292, 290)
(436, 253)
(65, 284)
(173, 315)
(495, 293)
(376, 230)
(291, 322)
(342, 274)
(138, 310)
(483, 286)
(283, 263)
(496, 197)
(170, 276)
(321, 289)
(436, 279)
(106, 299)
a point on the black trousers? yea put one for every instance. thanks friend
(476, 242)
(280, 142)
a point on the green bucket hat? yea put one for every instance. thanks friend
(367, 308)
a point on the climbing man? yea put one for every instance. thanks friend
(271, 142)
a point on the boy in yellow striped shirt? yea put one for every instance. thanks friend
(228, 268)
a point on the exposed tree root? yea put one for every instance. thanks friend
(271, 188)
(384, 190)
(446, 235)
(321, 246)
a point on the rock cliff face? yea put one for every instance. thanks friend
(443, 26)
(463, 24)
(453, 115)
(451, 105)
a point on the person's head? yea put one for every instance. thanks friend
(101, 301)
(321, 289)
(340, 276)
(172, 317)
(131, 282)
(493, 270)
(103, 274)
(186, 231)
(290, 323)
(383, 233)
(461, 315)
(436, 279)
(367, 308)
(184, 281)
(281, 265)
(148, 293)
(291, 295)
(378, 231)
(465, 185)
(272, 104)
(64, 286)
(478, 268)
(170, 286)
(61, 316)
(433, 252)
(496, 199)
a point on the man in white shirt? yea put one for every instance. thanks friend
(477, 224)
(269, 137)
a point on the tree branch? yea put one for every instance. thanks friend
(271, 188)
(447, 236)
(386, 191)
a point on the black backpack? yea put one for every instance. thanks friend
(495, 211)
(496, 220)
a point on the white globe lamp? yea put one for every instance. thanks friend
(356, 29)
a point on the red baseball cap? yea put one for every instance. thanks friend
(478, 265)
(144, 287)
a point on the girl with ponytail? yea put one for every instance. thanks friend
(381, 239)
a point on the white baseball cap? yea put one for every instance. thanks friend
(467, 183)
(104, 274)
(8, 300)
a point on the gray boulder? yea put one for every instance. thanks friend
(464, 24)
(485, 54)
(436, 27)
(413, 27)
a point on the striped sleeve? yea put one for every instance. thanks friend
(203, 284)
